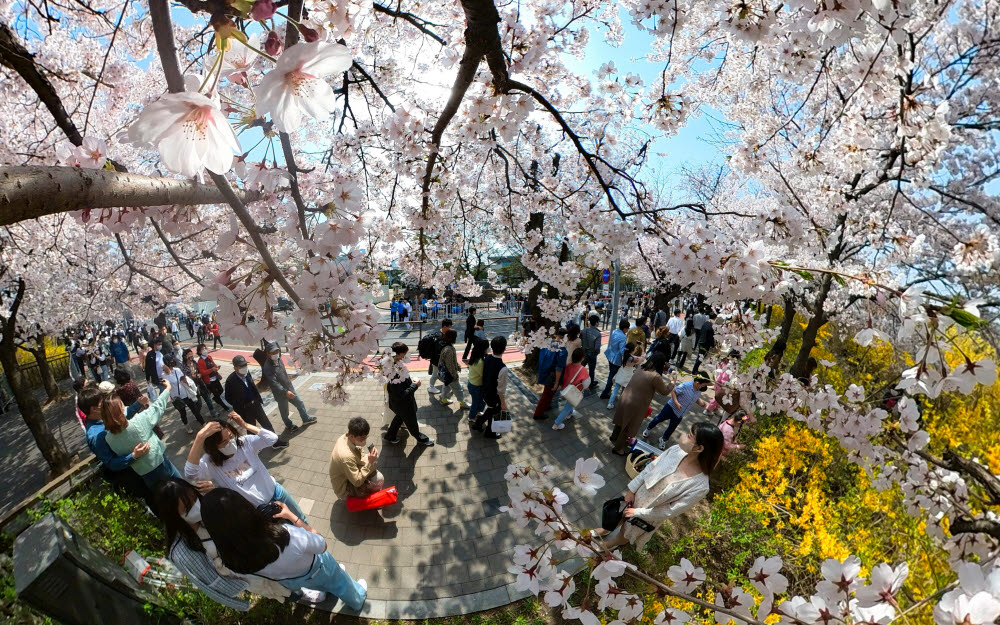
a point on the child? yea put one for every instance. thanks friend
(730, 427)
(632, 358)
(721, 378)
(687, 342)
(575, 374)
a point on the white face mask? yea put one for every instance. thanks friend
(275, 357)
(229, 448)
(194, 514)
(243, 370)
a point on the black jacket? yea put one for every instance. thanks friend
(240, 395)
(401, 400)
(470, 327)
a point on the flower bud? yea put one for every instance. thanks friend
(273, 45)
(262, 10)
(308, 34)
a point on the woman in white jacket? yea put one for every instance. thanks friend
(669, 485)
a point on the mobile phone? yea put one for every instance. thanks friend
(371, 446)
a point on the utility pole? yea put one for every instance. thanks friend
(614, 301)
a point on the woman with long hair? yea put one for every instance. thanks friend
(191, 549)
(632, 357)
(448, 363)
(189, 365)
(646, 383)
(669, 485)
(282, 547)
(475, 382)
(124, 434)
(219, 454)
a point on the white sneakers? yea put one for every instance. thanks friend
(558, 426)
(433, 389)
(363, 584)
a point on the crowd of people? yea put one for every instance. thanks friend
(225, 487)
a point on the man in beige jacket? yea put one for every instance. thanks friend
(353, 469)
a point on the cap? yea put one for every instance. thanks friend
(239, 361)
(106, 388)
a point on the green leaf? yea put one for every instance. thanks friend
(839, 279)
(964, 318)
(805, 275)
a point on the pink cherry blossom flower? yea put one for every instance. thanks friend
(765, 577)
(885, 582)
(262, 10)
(686, 576)
(296, 86)
(190, 132)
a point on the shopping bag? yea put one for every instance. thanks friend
(502, 423)
(572, 394)
(378, 499)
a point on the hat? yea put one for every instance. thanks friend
(106, 388)
(272, 346)
(702, 380)
(239, 361)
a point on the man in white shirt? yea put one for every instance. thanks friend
(674, 327)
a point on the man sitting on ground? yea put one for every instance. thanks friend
(353, 463)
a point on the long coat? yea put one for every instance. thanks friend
(634, 402)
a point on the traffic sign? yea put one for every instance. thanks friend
(606, 276)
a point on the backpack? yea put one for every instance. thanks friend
(427, 346)
(259, 354)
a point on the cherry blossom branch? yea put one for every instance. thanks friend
(34, 191)
(139, 270)
(16, 57)
(163, 30)
(173, 254)
(737, 616)
(418, 22)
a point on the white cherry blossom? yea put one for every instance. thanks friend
(297, 85)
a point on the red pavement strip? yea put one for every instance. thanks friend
(415, 363)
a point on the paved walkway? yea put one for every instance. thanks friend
(444, 548)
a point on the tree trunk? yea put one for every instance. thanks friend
(818, 320)
(45, 372)
(787, 319)
(663, 298)
(536, 221)
(31, 410)
(770, 313)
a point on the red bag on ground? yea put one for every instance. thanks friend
(378, 499)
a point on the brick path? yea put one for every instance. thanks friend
(444, 548)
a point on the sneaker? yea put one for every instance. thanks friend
(309, 421)
(426, 441)
(662, 444)
(363, 584)
(475, 426)
(462, 404)
(342, 567)
(492, 435)
(611, 406)
(433, 389)
(312, 596)
(445, 401)
(292, 428)
(280, 444)
(392, 441)
(558, 426)
(187, 428)
(572, 413)
(605, 396)
(645, 434)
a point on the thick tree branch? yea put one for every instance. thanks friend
(173, 254)
(975, 526)
(16, 57)
(35, 191)
(420, 23)
(163, 30)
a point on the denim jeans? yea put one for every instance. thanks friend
(477, 401)
(455, 388)
(612, 370)
(326, 575)
(667, 412)
(282, 401)
(564, 413)
(282, 495)
(614, 394)
(165, 471)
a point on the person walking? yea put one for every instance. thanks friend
(153, 367)
(633, 357)
(430, 346)
(400, 389)
(474, 383)
(180, 395)
(573, 340)
(119, 352)
(688, 339)
(220, 455)
(243, 396)
(282, 388)
(669, 485)
(283, 547)
(470, 332)
(674, 326)
(705, 343)
(590, 338)
(494, 388)
(614, 353)
(634, 403)
(449, 370)
(659, 319)
(213, 329)
(175, 330)
(551, 364)
(637, 335)
(682, 397)
(209, 372)
(575, 374)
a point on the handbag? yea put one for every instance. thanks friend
(571, 393)
(190, 386)
(378, 499)
(613, 513)
(624, 376)
(444, 375)
(502, 423)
